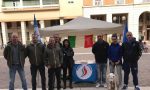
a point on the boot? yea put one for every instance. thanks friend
(70, 85)
(64, 85)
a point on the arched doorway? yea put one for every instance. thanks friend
(144, 26)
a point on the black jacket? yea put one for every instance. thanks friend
(8, 53)
(131, 51)
(68, 54)
(100, 50)
(36, 53)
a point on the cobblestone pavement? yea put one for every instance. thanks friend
(144, 72)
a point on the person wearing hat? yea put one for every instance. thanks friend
(115, 58)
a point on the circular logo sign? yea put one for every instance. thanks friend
(84, 71)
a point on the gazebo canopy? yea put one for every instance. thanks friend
(83, 25)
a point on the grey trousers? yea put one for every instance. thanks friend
(119, 71)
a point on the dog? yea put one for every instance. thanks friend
(112, 82)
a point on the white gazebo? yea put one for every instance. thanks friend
(82, 25)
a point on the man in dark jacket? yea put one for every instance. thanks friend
(100, 50)
(15, 55)
(58, 40)
(131, 54)
(35, 52)
(53, 60)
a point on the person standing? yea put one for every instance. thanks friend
(115, 58)
(53, 60)
(35, 52)
(15, 55)
(100, 50)
(57, 40)
(68, 62)
(131, 54)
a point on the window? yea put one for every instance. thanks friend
(55, 22)
(146, 1)
(99, 17)
(9, 36)
(27, 36)
(18, 25)
(0, 26)
(67, 20)
(97, 2)
(120, 2)
(9, 25)
(120, 18)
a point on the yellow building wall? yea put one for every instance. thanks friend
(28, 16)
(87, 2)
(129, 1)
(0, 4)
(109, 2)
(65, 9)
(70, 9)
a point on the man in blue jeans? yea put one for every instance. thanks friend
(131, 54)
(15, 55)
(100, 51)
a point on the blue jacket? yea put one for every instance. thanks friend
(115, 52)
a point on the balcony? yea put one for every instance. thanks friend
(29, 5)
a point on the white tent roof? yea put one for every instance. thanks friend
(83, 25)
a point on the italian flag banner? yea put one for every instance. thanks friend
(88, 41)
(72, 40)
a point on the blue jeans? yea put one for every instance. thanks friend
(12, 73)
(101, 68)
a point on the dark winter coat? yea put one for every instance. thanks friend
(68, 54)
(131, 51)
(8, 54)
(53, 56)
(100, 50)
(35, 52)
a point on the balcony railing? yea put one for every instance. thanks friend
(29, 4)
(11, 4)
(49, 2)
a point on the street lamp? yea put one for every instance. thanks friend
(114, 18)
(32, 22)
(123, 18)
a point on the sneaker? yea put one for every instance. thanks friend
(137, 88)
(97, 85)
(125, 87)
(105, 85)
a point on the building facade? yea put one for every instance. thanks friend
(16, 16)
(135, 12)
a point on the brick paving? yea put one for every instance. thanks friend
(144, 72)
